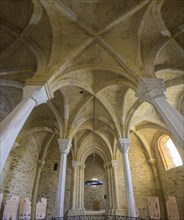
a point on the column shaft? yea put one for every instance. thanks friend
(109, 188)
(61, 186)
(35, 189)
(75, 165)
(64, 145)
(153, 90)
(82, 189)
(114, 173)
(127, 176)
(112, 189)
(108, 185)
(11, 126)
(173, 119)
(13, 123)
(128, 185)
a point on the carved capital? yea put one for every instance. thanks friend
(150, 88)
(40, 94)
(124, 145)
(64, 145)
(75, 163)
(114, 163)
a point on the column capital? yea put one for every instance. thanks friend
(75, 163)
(64, 145)
(124, 145)
(150, 88)
(114, 163)
(39, 93)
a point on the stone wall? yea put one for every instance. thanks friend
(99, 193)
(142, 178)
(19, 173)
(49, 180)
(121, 184)
(9, 98)
(172, 182)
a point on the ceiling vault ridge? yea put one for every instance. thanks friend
(73, 17)
(16, 70)
(139, 58)
(61, 67)
(19, 33)
(125, 14)
(149, 66)
(81, 50)
(118, 58)
(10, 28)
(94, 37)
(156, 11)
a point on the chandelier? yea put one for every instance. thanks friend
(93, 182)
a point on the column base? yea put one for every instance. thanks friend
(74, 212)
(121, 212)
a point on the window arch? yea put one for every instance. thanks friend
(169, 153)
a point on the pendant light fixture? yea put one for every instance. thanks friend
(93, 182)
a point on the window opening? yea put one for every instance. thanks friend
(55, 166)
(169, 153)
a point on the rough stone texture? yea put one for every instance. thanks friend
(49, 181)
(172, 182)
(142, 177)
(19, 173)
(87, 48)
(9, 98)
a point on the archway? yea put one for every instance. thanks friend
(95, 196)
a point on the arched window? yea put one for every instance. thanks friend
(169, 153)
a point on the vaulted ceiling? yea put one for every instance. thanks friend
(93, 48)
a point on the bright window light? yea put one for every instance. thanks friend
(174, 153)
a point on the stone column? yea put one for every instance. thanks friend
(64, 147)
(81, 191)
(114, 164)
(106, 167)
(74, 209)
(78, 190)
(124, 148)
(13, 123)
(41, 163)
(152, 163)
(75, 164)
(79, 202)
(111, 189)
(153, 90)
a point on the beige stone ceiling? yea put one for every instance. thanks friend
(83, 48)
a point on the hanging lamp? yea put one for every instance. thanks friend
(93, 182)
